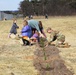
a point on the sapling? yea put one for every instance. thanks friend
(42, 44)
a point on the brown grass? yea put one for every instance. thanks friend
(12, 54)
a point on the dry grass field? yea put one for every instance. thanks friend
(17, 60)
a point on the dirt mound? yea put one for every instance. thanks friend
(48, 62)
(49, 51)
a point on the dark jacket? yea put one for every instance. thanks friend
(14, 28)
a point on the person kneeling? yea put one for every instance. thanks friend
(26, 33)
(55, 35)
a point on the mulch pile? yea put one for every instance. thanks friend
(48, 62)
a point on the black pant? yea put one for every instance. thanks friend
(26, 42)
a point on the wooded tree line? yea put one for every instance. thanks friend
(50, 7)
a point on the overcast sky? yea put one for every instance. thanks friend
(9, 4)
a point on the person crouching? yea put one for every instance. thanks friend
(26, 33)
(55, 35)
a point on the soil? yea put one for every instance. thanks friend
(49, 50)
(53, 65)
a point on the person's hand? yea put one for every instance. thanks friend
(41, 35)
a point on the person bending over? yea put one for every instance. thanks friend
(37, 25)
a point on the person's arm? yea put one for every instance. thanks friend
(37, 27)
(51, 38)
(15, 25)
(44, 34)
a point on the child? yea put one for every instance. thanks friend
(13, 28)
(55, 35)
(26, 33)
(35, 37)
